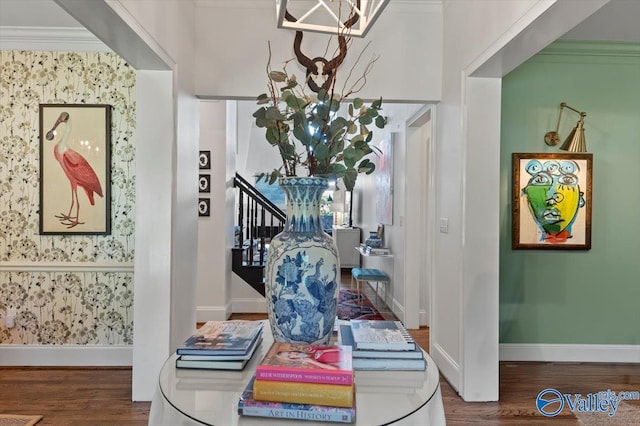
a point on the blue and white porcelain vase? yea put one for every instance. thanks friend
(303, 270)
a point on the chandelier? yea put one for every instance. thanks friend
(328, 16)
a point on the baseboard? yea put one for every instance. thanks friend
(447, 365)
(66, 356)
(569, 353)
(211, 313)
(397, 308)
(249, 305)
(423, 318)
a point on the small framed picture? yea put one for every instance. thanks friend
(203, 207)
(204, 183)
(204, 160)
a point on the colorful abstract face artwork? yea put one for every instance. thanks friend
(551, 204)
(554, 197)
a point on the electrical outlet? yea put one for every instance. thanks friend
(9, 321)
(444, 225)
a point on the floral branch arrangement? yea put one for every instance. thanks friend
(315, 132)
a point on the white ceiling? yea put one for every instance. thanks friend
(34, 13)
(616, 21)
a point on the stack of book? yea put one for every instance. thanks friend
(220, 345)
(381, 345)
(302, 382)
(379, 251)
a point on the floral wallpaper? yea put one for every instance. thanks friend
(77, 306)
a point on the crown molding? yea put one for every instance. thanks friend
(50, 39)
(592, 48)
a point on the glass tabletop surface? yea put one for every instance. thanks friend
(211, 397)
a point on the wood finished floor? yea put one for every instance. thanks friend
(102, 396)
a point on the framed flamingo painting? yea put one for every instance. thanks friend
(75, 169)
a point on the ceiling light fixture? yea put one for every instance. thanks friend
(327, 16)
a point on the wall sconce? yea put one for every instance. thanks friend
(576, 141)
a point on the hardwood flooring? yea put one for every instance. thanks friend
(102, 396)
(72, 396)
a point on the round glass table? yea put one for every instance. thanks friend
(210, 397)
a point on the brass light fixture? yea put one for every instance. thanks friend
(575, 142)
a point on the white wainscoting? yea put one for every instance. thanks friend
(65, 356)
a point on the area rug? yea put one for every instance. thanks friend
(18, 420)
(353, 304)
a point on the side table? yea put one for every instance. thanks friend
(210, 397)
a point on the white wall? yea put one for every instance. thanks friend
(164, 293)
(411, 69)
(230, 198)
(486, 39)
(152, 276)
(232, 38)
(211, 294)
(469, 27)
(395, 234)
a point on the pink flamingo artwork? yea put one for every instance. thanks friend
(76, 168)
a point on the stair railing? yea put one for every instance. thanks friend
(258, 219)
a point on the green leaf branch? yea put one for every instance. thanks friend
(314, 132)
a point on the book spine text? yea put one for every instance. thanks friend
(307, 393)
(289, 413)
(302, 375)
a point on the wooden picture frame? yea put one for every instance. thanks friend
(204, 183)
(551, 201)
(204, 207)
(75, 169)
(204, 160)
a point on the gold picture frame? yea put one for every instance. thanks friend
(75, 169)
(551, 201)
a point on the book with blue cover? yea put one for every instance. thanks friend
(233, 337)
(214, 362)
(383, 335)
(247, 406)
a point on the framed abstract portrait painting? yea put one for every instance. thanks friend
(551, 201)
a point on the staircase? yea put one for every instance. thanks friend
(258, 221)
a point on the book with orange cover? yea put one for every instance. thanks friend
(294, 362)
(303, 393)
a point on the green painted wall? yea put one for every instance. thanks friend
(576, 297)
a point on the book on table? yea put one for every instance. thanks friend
(233, 337)
(248, 406)
(213, 362)
(304, 393)
(389, 364)
(345, 337)
(383, 335)
(297, 362)
(223, 356)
